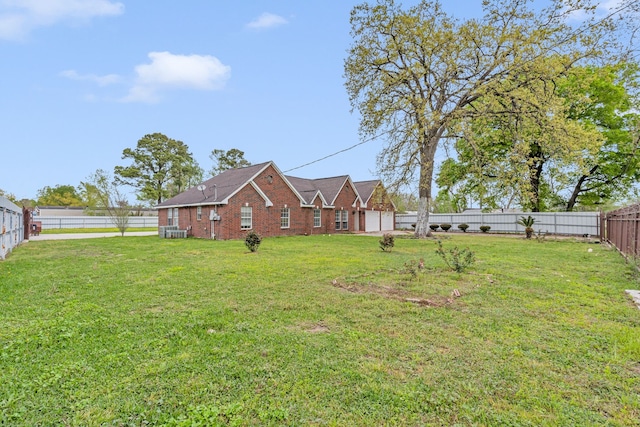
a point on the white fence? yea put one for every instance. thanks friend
(569, 223)
(56, 222)
(11, 226)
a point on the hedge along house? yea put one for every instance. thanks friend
(262, 199)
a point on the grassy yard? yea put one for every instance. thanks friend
(320, 331)
(95, 230)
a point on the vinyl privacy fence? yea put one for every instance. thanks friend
(565, 223)
(57, 222)
(11, 226)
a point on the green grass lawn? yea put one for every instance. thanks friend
(320, 331)
(95, 230)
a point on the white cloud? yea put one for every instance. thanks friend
(19, 17)
(266, 20)
(168, 71)
(100, 80)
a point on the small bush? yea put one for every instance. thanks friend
(252, 241)
(445, 227)
(434, 227)
(463, 227)
(485, 228)
(387, 242)
(456, 259)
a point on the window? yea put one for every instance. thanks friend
(345, 220)
(338, 220)
(245, 217)
(199, 213)
(316, 218)
(172, 216)
(284, 218)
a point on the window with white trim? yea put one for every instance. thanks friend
(342, 220)
(316, 218)
(246, 214)
(199, 213)
(284, 218)
(172, 216)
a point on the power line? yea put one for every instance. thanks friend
(336, 153)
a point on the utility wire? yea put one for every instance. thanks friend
(337, 152)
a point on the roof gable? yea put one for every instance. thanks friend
(366, 189)
(217, 190)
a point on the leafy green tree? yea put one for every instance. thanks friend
(582, 145)
(107, 197)
(608, 101)
(9, 196)
(414, 73)
(162, 167)
(224, 160)
(60, 195)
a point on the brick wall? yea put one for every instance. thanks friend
(266, 219)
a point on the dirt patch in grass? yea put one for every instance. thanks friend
(397, 294)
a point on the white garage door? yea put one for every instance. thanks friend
(371, 221)
(387, 221)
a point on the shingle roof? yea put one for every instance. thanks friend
(366, 189)
(330, 187)
(218, 189)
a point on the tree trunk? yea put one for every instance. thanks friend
(578, 189)
(535, 174)
(427, 154)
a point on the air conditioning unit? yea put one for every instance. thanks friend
(213, 216)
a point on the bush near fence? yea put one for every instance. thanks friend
(563, 223)
(58, 222)
(11, 226)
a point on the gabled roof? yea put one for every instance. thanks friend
(366, 189)
(330, 187)
(307, 189)
(217, 190)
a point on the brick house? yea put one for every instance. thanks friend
(261, 198)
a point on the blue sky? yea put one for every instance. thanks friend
(85, 79)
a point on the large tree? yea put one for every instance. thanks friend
(162, 167)
(609, 101)
(581, 150)
(59, 195)
(413, 73)
(223, 160)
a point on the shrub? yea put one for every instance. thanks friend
(485, 228)
(456, 259)
(252, 241)
(434, 227)
(463, 227)
(445, 227)
(527, 223)
(387, 242)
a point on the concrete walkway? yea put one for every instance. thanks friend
(89, 235)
